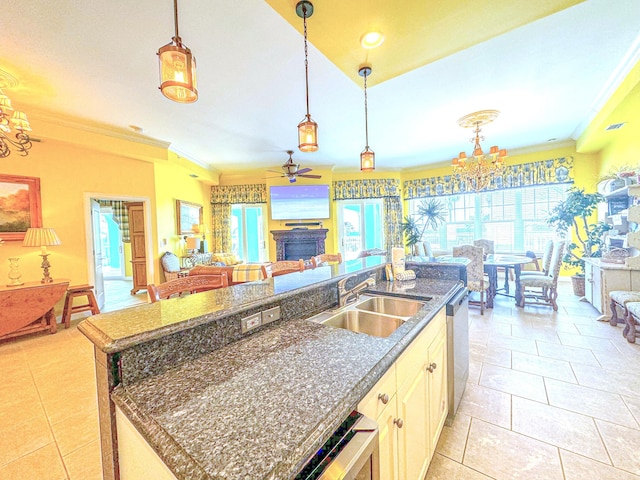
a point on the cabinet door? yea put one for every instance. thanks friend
(413, 436)
(388, 441)
(588, 282)
(597, 292)
(438, 405)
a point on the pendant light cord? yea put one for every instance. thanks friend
(175, 18)
(366, 116)
(306, 61)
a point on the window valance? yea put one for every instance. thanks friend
(366, 188)
(230, 194)
(544, 172)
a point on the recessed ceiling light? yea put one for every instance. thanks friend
(372, 39)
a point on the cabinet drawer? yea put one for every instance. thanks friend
(371, 406)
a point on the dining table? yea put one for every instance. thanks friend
(496, 260)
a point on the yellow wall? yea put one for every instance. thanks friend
(101, 165)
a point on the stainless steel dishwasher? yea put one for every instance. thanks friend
(457, 349)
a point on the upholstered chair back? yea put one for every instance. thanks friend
(485, 244)
(475, 270)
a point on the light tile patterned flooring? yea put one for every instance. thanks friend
(550, 396)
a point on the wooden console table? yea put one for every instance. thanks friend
(28, 308)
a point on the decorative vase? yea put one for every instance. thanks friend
(14, 273)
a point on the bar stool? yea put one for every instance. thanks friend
(70, 308)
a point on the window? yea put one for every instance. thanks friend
(248, 232)
(360, 226)
(515, 219)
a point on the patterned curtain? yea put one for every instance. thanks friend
(389, 190)
(254, 193)
(359, 189)
(392, 213)
(221, 227)
(544, 172)
(120, 215)
(222, 197)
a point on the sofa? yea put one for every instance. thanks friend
(240, 273)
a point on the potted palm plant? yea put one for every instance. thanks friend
(431, 213)
(571, 216)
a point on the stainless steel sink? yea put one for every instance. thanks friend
(365, 322)
(391, 306)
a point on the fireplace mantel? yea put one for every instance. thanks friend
(299, 243)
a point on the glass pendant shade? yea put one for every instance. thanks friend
(20, 121)
(367, 160)
(178, 73)
(308, 135)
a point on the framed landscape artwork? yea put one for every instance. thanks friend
(20, 206)
(187, 215)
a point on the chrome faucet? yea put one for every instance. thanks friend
(344, 295)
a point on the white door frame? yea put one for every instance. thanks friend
(148, 237)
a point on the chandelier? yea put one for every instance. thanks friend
(22, 143)
(307, 128)
(367, 156)
(177, 68)
(478, 170)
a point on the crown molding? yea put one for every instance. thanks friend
(97, 128)
(614, 81)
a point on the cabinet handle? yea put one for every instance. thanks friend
(432, 367)
(383, 397)
(398, 422)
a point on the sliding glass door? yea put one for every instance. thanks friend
(249, 232)
(359, 226)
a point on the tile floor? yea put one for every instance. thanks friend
(548, 397)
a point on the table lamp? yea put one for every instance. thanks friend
(43, 238)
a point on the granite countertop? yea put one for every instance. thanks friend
(115, 331)
(447, 260)
(597, 262)
(257, 408)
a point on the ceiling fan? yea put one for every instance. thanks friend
(292, 170)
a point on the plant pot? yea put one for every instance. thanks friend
(578, 285)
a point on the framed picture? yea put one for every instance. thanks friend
(20, 206)
(187, 215)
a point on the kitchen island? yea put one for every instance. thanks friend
(215, 403)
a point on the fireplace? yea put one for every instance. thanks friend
(299, 243)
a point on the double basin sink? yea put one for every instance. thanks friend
(375, 316)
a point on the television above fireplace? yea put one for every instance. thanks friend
(299, 202)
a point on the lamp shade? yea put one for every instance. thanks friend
(41, 237)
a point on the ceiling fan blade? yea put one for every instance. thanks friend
(309, 176)
(304, 170)
(273, 171)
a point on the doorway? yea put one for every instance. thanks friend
(360, 226)
(109, 250)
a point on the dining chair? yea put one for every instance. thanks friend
(487, 245)
(477, 280)
(545, 262)
(548, 284)
(282, 267)
(326, 258)
(189, 284)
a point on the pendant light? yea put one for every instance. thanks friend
(367, 157)
(307, 128)
(177, 68)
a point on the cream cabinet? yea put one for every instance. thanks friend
(410, 406)
(602, 278)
